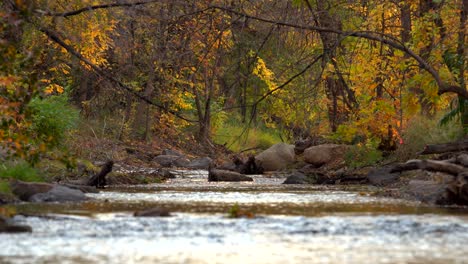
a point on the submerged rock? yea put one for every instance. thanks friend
(153, 212)
(224, 175)
(297, 178)
(7, 227)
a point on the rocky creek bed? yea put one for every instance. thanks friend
(292, 224)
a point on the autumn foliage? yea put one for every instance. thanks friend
(345, 69)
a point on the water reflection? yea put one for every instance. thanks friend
(294, 224)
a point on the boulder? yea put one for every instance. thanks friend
(429, 192)
(325, 154)
(296, 178)
(200, 163)
(24, 190)
(181, 162)
(171, 152)
(45, 192)
(277, 157)
(153, 212)
(382, 177)
(224, 175)
(171, 160)
(7, 227)
(59, 193)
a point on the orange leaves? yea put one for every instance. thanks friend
(53, 88)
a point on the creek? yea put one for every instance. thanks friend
(293, 224)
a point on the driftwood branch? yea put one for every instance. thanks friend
(431, 165)
(99, 179)
(442, 148)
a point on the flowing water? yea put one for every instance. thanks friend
(292, 224)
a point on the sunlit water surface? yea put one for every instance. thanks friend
(293, 224)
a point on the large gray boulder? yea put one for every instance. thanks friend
(45, 192)
(200, 163)
(277, 157)
(59, 193)
(325, 154)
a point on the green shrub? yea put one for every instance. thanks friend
(52, 117)
(19, 170)
(234, 134)
(363, 155)
(4, 186)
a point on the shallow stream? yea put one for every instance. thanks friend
(293, 224)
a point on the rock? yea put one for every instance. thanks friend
(230, 166)
(326, 153)
(83, 188)
(224, 175)
(181, 162)
(7, 199)
(429, 192)
(171, 160)
(277, 157)
(166, 174)
(153, 212)
(382, 177)
(301, 145)
(296, 178)
(458, 189)
(171, 152)
(59, 193)
(200, 163)
(45, 192)
(7, 227)
(24, 190)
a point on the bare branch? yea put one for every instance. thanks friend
(383, 38)
(91, 8)
(56, 38)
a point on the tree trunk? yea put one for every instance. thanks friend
(335, 86)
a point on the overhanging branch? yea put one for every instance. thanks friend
(380, 37)
(55, 38)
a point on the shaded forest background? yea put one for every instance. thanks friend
(243, 74)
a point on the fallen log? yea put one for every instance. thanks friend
(99, 180)
(431, 165)
(443, 148)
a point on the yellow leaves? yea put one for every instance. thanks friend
(264, 73)
(51, 88)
